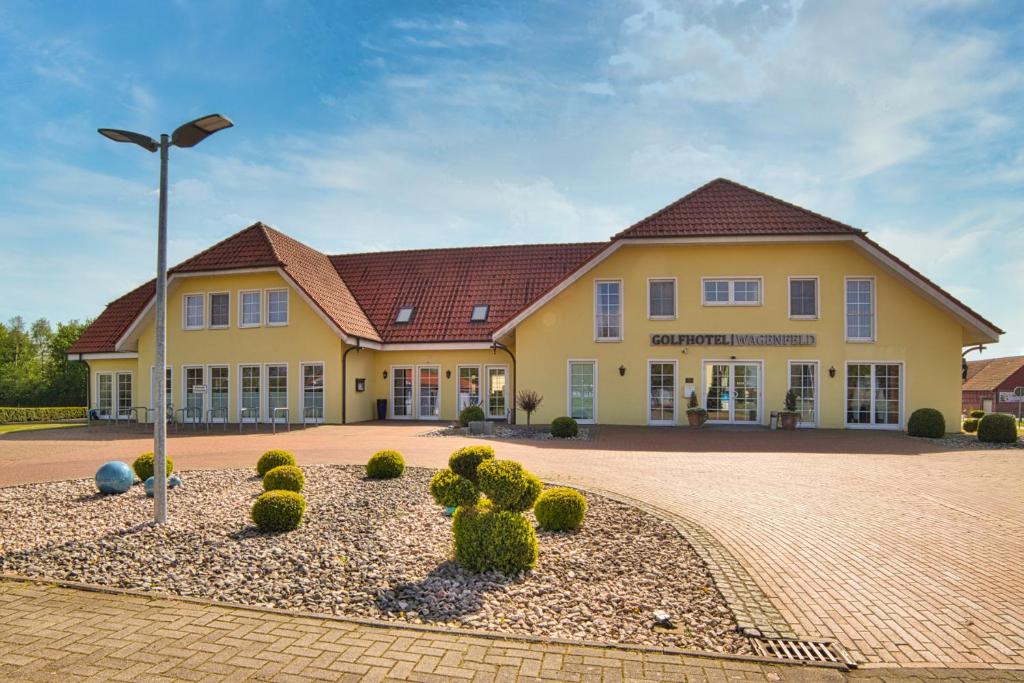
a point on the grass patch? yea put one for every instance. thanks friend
(32, 426)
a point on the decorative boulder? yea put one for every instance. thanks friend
(114, 477)
(173, 482)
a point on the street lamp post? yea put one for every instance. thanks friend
(187, 135)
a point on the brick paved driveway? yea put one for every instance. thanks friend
(906, 554)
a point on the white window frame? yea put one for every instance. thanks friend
(458, 386)
(675, 298)
(184, 311)
(485, 397)
(568, 388)
(302, 389)
(414, 407)
(487, 313)
(622, 310)
(240, 392)
(209, 313)
(241, 308)
(817, 297)
(731, 280)
(113, 394)
(265, 391)
(208, 378)
(287, 306)
(417, 387)
(675, 392)
(118, 374)
(903, 392)
(762, 372)
(398, 315)
(846, 310)
(184, 394)
(817, 387)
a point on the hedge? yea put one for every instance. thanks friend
(998, 428)
(43, 414)
(926, 422)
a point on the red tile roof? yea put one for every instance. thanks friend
(443, 285)
(988, 374)
(105, 330)
(726, 208)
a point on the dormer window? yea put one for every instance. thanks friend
(480, 313)
(404, 314)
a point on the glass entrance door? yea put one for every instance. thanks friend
(219, 393)
(733, 392)
(803, 379)
(401, 393)
(873, 395)
(496, 390)
(193, 402)
(429, 392)
(582, 390)
(661, 393)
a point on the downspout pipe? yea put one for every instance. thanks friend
(515, 380)
(344, 379)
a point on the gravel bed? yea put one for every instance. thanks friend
(379, 549)
(514, 433)
(969, 442)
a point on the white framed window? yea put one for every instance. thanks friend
(192, 311)
(731, 291)
(220, 310)
(803, 379)
(404, 315)
(312, 392)
(249, 308)
(277, 392)
(479, 313)
(874, 395)
(608, 310)
(277, 307)
(124, 394)
(661, 298)
(249, 403)
(581, 390)
(105, 394)
(860, 309)
(469, 386)
(803, 298)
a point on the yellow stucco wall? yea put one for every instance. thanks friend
(909, 330)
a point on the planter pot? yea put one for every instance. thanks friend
(788, 420)
(696, 419)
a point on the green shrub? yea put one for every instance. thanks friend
(971, 425)
(278, 510)
(487, 539)
(998, 428)
(560, 509)
(385, 465)
(465, 461)
(452, 490)
(284, 478)
(508, 485)
(926, 422)
(143, 466)
(273, 458)
(41, 414)
(977, 413)
(471, 414)
(564, 427)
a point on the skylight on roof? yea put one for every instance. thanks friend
(404, 314)
(480, 313)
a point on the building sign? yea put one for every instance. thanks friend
(1008, 397)
(733, 340)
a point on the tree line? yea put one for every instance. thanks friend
(34, 369)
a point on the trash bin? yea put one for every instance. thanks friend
(382, 408)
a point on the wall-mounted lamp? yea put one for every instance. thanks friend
(622, 370)
(832, 371)
(448, 374)
(385, 374)
(732, 357)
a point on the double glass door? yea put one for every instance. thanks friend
(733, 391)
(873, 395)
(416, 392)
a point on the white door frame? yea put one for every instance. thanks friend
(209, 389)
(568, 388)
(817, 387)
(265, 393)
(184, 393)
(302, 389)
(240, 392)
(458, 386)
(487, 391)
(732, 388)
(417, 387)
(391, 392)
(127, 414)
(675, 392)
(846, 395)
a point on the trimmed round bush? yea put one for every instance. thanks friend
(273, 458)
(926, 422)
(451, 490)
(560, 509)
(508, 485)
(971, 425)
(465, 461)
(143, 466)
(977, 413)
(471, 414)
(385, 465)
(487, 539)
(278, 510)
(998, 428)
(564, 427)
(284, 478)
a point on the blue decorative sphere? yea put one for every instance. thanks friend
(173, 482)
(148, 484)
(114, 477)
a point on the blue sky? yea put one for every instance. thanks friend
(367, 126)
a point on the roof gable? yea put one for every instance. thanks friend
(723, 208)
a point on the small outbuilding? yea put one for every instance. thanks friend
(991, 385)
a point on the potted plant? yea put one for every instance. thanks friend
(789, 417)
(696, 415)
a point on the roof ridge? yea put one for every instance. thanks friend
(468, 248)
(790, 204)
(255, 226)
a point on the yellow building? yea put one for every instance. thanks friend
(727, 294)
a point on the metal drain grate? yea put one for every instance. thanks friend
(796, 650)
